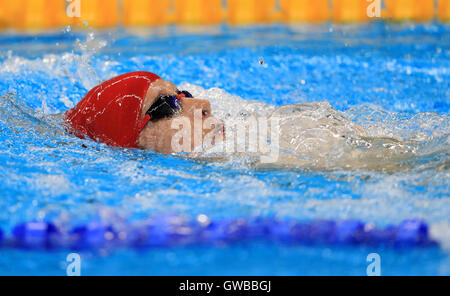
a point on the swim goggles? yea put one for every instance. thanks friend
(167, 106)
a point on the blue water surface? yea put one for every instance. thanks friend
(46, 174)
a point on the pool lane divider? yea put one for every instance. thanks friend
(345, 11)
(167, 231)
(98, 14)
(416, 10)
(52, 14)
(443, 10)
(195, 12)
(311, 11)
(141, 13)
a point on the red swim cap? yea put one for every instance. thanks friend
(111, 112)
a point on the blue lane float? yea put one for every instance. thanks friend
(94, 235)
(35, 235)
(172, 230)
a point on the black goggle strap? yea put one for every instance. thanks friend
(164, 106)
(167, 106)
(185, 93)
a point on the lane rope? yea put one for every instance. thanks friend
(174, 230)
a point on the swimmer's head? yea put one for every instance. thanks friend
(141, 110)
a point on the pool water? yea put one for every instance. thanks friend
(391, 78)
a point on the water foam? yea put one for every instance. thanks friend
(315, 135)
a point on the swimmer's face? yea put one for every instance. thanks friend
(195, 120)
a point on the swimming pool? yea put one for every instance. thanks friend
(393, 78)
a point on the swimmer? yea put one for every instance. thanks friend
(137, 110)
(142, 110)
